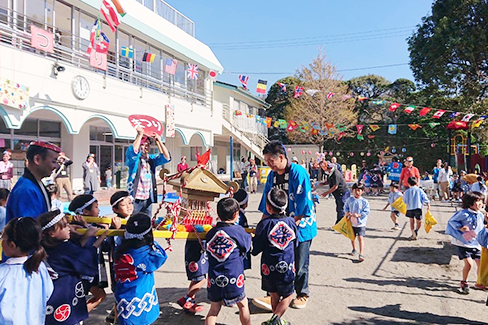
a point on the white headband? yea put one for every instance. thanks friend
(243, 201)
(128, 235)
(283, 208)
(83, 207)
(54, 221)
(120, 199)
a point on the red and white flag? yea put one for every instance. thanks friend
(394, 106)
(212, 75)
(330, 95)
(359, 127)
(424, 111)
(439, 113)
(110, 14)
(98, 60)
(467, 117)
(42, 39)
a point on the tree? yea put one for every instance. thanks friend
(322, 103)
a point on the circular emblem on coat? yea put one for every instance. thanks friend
(74, 302)
(49, 309)
(62, 312)
(282, 267)
(222, 281)
(79, 291)
(240, 281)
(233, 281)
(193, 266)
(265, 269)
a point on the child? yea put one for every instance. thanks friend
(463, 227)
(108, 177)
(356, 210)
(137, 258)
(415, 198)
(227, 245)
(392, 197)
(55, 203)
(276, 238)
(4, 193)
(87, 205)
(367, 182)
(242, 198)
(456, 188)
(70, 262)
(25, 284)
(479, 186)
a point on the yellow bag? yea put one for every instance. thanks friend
(400, 205)
(345, 227)
(483, 269)
(429, 221)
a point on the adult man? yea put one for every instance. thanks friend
(62, 176)
(29, 197)
(142, 169)
(407, 171)
(435, 178)
(294, 180)
(337, 186)
(333, 160)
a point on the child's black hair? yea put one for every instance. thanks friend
(227, 208)
(277, 199)
(46, 239)
(4, 193)
(117, 196)
(358, 186)
(79, 201)
(470, 198)
(25, 233)
(412, 181)
(137, 224)
(394, 185)
(52, 189)
(481, 182)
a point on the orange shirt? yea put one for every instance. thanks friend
(407, 172)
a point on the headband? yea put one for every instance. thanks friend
(54, 221)
(47, 145)
(283, 208)
(244, 201)
(83, 207)
(128, 235)
(120, 199)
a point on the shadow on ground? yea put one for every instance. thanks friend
(425, 255)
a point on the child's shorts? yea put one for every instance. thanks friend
(196, 260)
(396, 212)
(215, 297)
(415, 213)
(359, 231)
(467, 252)
(283, 289)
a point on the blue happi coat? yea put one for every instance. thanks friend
(227, 245)
(135, 292)
(466, 217)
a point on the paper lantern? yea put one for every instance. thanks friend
(289, 149)
(310, 152)
(303, 152)
(351, 154)
(393, 150)
(432, 145)
(404, 149)
(338, 153)
(331, 153)
(362, 154)
(368, 154)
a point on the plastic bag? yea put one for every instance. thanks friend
(429, 221)
(483, 269)
(400, 205)
(344, 226)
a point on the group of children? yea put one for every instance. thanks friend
(49, 266)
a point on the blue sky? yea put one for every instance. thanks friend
(281, 36)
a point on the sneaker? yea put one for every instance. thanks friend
(299, 302)
(190, 305)
(353, 253)
(263, 303)
(272, 321)
(416, 234)
(464, 289)
(445, 201)
(110, 319)
(479, 286)
(412, 237)
(361, 258)
(397, 227)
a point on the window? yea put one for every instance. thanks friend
(155, 67)
(29, 127)
(180, 77)
(124, 41)
(86, 24)
(193, 153)
(149, 4)
(3, 127)
(50, 129)
(139, 50)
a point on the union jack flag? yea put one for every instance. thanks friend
(192, 71)
(298, 91)
(243, 80)
(282, 86)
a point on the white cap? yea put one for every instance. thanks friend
(294, 159)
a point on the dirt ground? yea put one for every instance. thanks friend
(400, 282)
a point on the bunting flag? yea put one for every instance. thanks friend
(392, 129)
(94, 35)
(361, 98)
(315, 125)
(289, 128)
(192, 71)
(323, 132)
(360, 137)
(414, 126)
(148, 57)
(341, 135)
(282, 86)
(434, 124)
(439, 113)
(109, 12)
(393, 107)
(344, 97)
(212, 74)
(371, 136)
(127, 52)
(467, 117)
(261, 87)
(457, 125)
(329, 125)
(170, 66)
(330, 95)
(409, 109)
(341, 127)
(311, 92)
(243, 80)
(359, 127)
(424, 111)
(314, 132)
(378, 102)
(283, 124)
(237, 113)
(276, 124)
(453, 115)
(268, 121)
(374, 127)
(298, 91)
(477, 123)
(293, 124)
(306, 126)
(119, 8)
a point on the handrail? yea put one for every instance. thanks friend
(15, 32)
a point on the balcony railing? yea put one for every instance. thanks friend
(15, 32)
(256, 132)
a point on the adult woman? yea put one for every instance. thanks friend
(253, 176)
(91, 175)
(182, 165)
(6, 171)
(444, 177)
